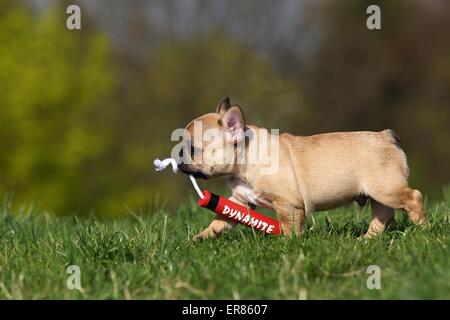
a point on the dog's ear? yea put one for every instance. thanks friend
(233, 122)
(223, 105)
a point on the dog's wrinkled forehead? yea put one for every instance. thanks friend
(203, 123)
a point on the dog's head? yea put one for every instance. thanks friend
(210, 142)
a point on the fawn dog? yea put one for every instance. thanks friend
(314, 173)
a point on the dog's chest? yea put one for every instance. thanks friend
(245, 193)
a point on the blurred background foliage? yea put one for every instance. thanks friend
(84, 113)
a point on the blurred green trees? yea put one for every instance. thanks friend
(75, 138)
(82, 116)
(53, 116)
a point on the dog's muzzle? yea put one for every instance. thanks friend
(196, 174)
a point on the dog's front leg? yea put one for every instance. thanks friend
(292, 219)
(218, 226)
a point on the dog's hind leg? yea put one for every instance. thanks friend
(407, 199)
(391, 190)
(402, 197)
(412, 202)
(382, 216)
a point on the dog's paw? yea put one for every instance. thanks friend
(198, 238)
(367, 236)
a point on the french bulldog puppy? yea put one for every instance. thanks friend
(312, 173)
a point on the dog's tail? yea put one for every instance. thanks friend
(395, 139)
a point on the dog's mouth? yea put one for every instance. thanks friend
(196, 174)
(199, 175)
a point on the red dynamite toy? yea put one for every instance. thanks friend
(229, 209)
(239, 213)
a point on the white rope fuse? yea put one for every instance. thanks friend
(160, 165)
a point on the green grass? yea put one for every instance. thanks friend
(152, 257)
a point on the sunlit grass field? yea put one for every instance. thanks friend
(152, 256)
